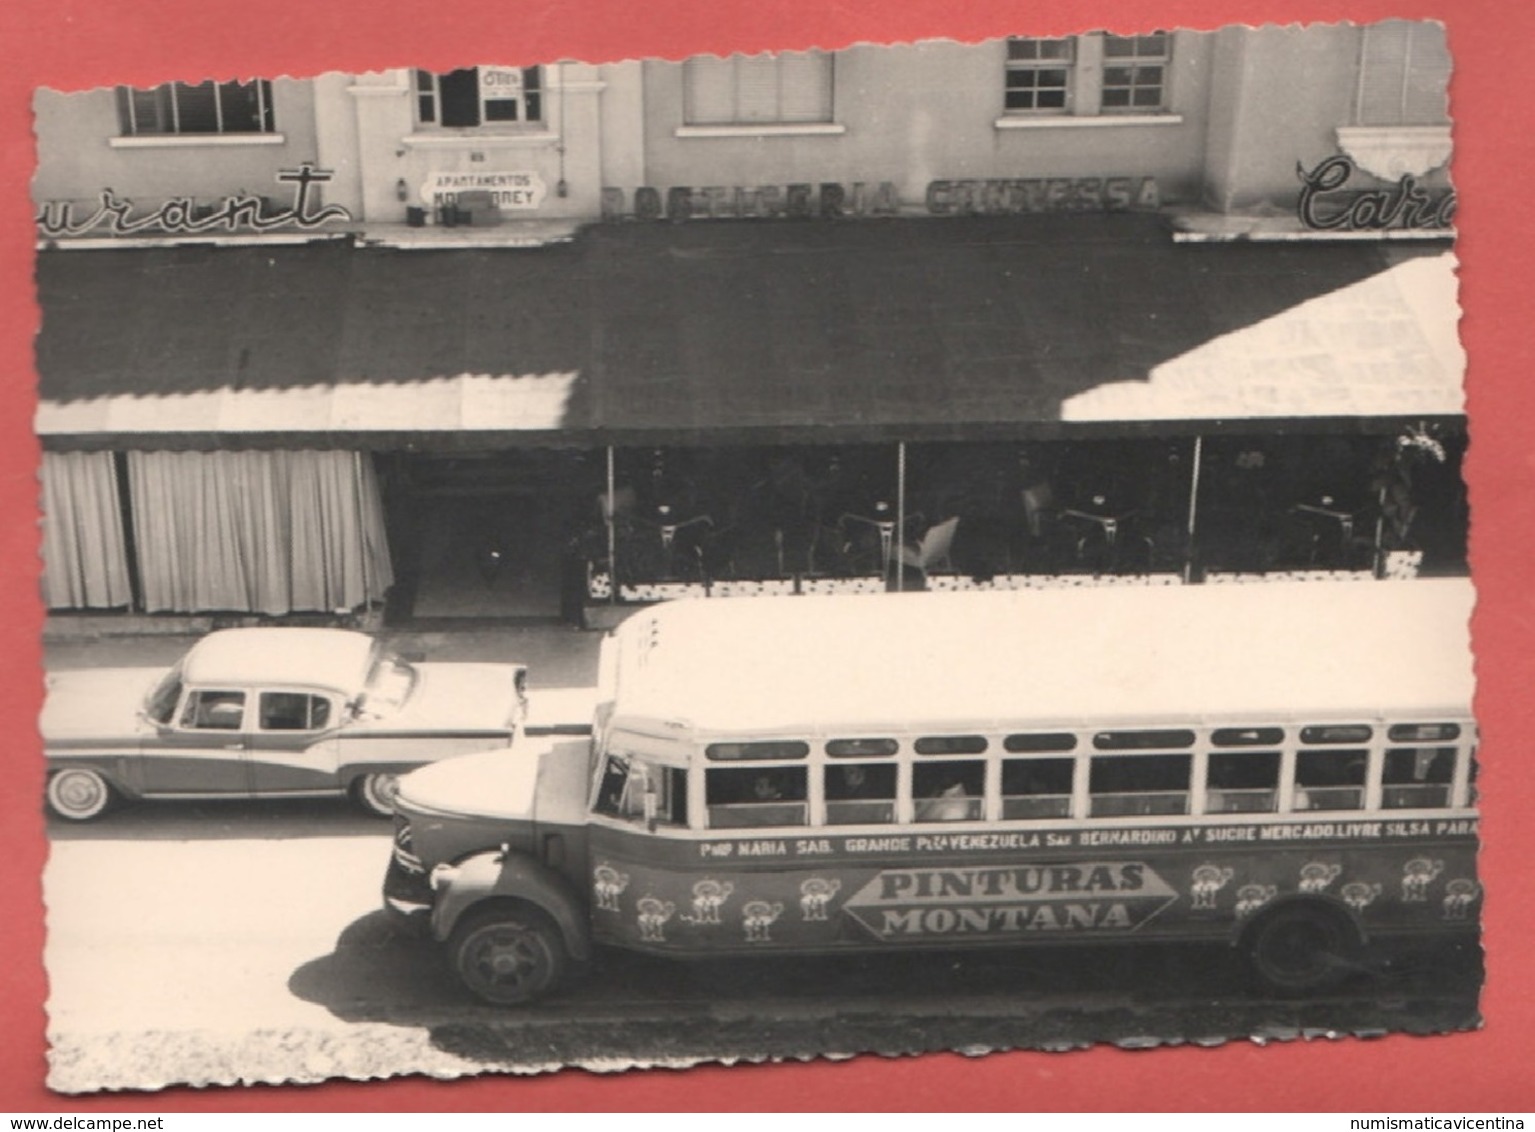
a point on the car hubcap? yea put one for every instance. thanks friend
(79, 792)
(508, 958)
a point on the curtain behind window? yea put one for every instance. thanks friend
(260, 532)
(85, 565)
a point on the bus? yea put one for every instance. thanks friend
(1287, 767)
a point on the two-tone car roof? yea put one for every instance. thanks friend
(295, 657)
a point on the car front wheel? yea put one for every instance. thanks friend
(78, 794)
(508, 956)
(374, 793)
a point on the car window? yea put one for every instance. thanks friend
(293, 711)
(210, 710)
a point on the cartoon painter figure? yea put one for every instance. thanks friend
(1417, 874)
(1359, 896)
(608, 885)
(708, 896)
(814, 894)
(1315, 876)
(1251, 897)
(1459, 895)
(756, 917)
(1207, 881)
(653, 915)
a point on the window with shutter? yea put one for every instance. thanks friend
(788, 89)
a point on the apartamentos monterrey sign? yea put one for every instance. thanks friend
(116, 216)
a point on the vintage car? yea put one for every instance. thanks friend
(269, 712)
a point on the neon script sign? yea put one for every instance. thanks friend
(1325, 206)
(184, 215)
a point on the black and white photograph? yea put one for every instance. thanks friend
(911, 547)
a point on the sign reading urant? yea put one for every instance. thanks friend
(185, 215)
(1325, 205)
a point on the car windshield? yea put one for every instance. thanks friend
(160, 704)
(390, 684)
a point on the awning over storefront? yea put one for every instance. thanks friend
(735, 331)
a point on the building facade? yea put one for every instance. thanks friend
(527, 339)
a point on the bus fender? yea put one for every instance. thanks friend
(503, 875)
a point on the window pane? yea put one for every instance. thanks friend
(503, 110)
(860, 792)
(770, 749)
(1142, 740)
(1247, 736)
(805, 86)
(197, 108)
(241, 106)
(1123, 785)
(1042, 741)
(708, 91)
(753, 796)
(1330, 780)
(860, 748)
(216, 711)
(460, 102)
(950, 745)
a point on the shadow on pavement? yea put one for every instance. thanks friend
(632, 1009)
(225, 819)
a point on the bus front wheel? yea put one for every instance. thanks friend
(507, 955)
(1303, 947)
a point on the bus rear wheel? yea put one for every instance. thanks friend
(1303, 947)
(508, 955)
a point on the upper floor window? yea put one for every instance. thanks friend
(480, 96)
(196, 108)
(1039, 74)
(1135, 72)
(1404, 75)
(1087, 75)
(793, 88)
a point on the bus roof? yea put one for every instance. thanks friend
(1095, 655)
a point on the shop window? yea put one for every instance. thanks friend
(480, 96)
(794, 88)
(1088, 75)
(1404, 75)
(196, 108)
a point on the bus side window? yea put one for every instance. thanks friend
(949, 791)
(1138, 785)
(1242, 782)
(1417, 778)
(1036, 788)
(860, 793)
(1330, 780)
(745, 796)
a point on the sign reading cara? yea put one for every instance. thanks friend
(1326, 204)
(522, 191)
(1111, 896)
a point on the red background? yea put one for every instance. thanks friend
(75, 44)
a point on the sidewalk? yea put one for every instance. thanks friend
(557, 656)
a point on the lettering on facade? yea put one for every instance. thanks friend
(1113, 896)
(1325, 204)
(1050, 194)
(828, 201)
(833, 200)
(184, 215)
